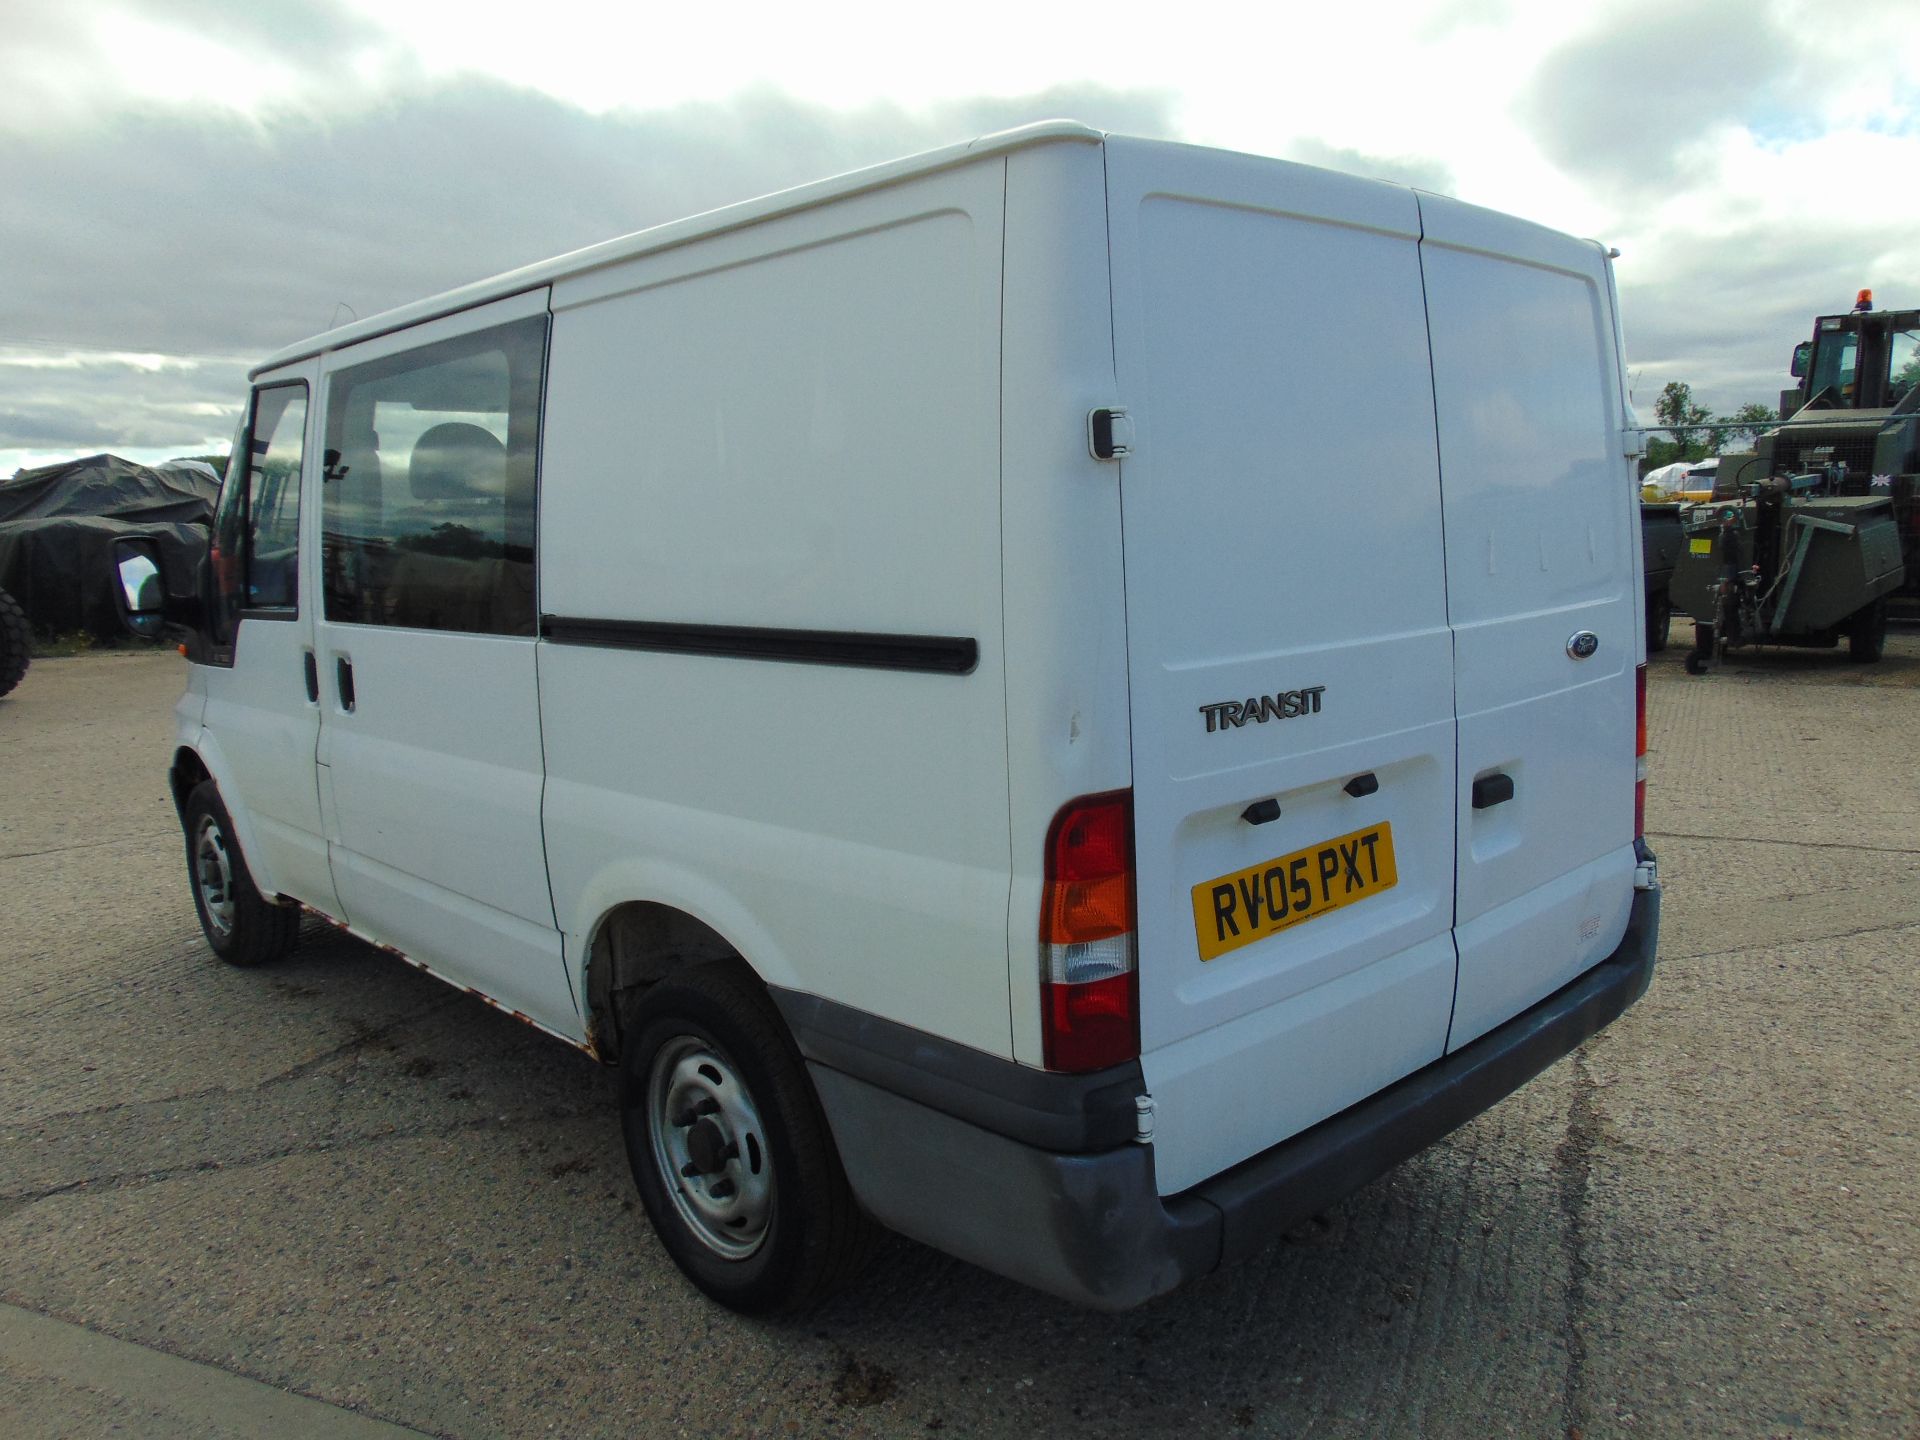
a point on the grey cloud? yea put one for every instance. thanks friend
(157, 230)
(52, 63)
(1623, 104)
(107, 404)
(306, 34)
(1420, 171)
(1727, 309)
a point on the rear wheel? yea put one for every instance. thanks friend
(16, 642)
(242, 927)
(1659, 621)
(729, 1149)
(1701, 655)
(1867, 633)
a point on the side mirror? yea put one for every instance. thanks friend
(1801, 354)
(141, 593)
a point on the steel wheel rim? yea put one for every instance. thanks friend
(213, 875)
(709, 1146)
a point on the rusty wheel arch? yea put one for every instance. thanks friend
(635, 946)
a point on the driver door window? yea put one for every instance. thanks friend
(256, 529)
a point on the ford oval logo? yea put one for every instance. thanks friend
(1583, 644)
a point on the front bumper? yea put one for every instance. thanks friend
(1090, 1227)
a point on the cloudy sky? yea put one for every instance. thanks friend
(186, 185)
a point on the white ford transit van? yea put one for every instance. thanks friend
(1074, 697)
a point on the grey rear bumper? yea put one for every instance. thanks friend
(1091, 1228)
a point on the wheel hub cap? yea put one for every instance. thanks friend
(710, 1147)
(213, 874)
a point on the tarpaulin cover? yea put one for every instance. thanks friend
(118, 489)
(58, 525)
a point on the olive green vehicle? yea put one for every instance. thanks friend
(1660, 541)
(1813, 532)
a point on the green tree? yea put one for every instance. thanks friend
(1683, 416)
(1747, 422)
(1661, 451)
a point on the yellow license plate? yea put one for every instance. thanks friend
(1252, 904)
(1700, 547)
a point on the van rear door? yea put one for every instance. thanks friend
(1289, 658)
(1542, 562)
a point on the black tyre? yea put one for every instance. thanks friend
(242, 928)
(1701, 655)
(1659, 621)
(1867, 633)
(16, 642)
(731, 1154)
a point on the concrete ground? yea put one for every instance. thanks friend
(334, 1197)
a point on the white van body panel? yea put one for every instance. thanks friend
(792, 427)
(1542, 543)
(260, 730)
(1068, 730)
(436, 773)
(1282, 532)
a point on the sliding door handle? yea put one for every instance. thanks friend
(343, 680)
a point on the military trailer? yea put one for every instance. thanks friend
(1855, 412)
(1813, 532)
(1788, 564)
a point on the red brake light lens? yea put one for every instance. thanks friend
(1640, 752)
(1088, 982)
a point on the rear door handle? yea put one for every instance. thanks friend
(1492, 790)
(343, 680)
(312, 667)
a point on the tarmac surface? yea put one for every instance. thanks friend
(334, 1197)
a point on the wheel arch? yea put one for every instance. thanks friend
(187, 771)
(193, 764)
(635, 945)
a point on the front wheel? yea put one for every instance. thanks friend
(1867, 633)
(242, 928)
(732, 1157)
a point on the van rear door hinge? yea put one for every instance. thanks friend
(1109, 433)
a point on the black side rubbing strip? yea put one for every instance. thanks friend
(929, 654)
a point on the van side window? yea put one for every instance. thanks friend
(431, 465)
(256, 528)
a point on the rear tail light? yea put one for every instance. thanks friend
(1640, 752)
(1089, 986)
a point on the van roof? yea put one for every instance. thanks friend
(680, 232)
